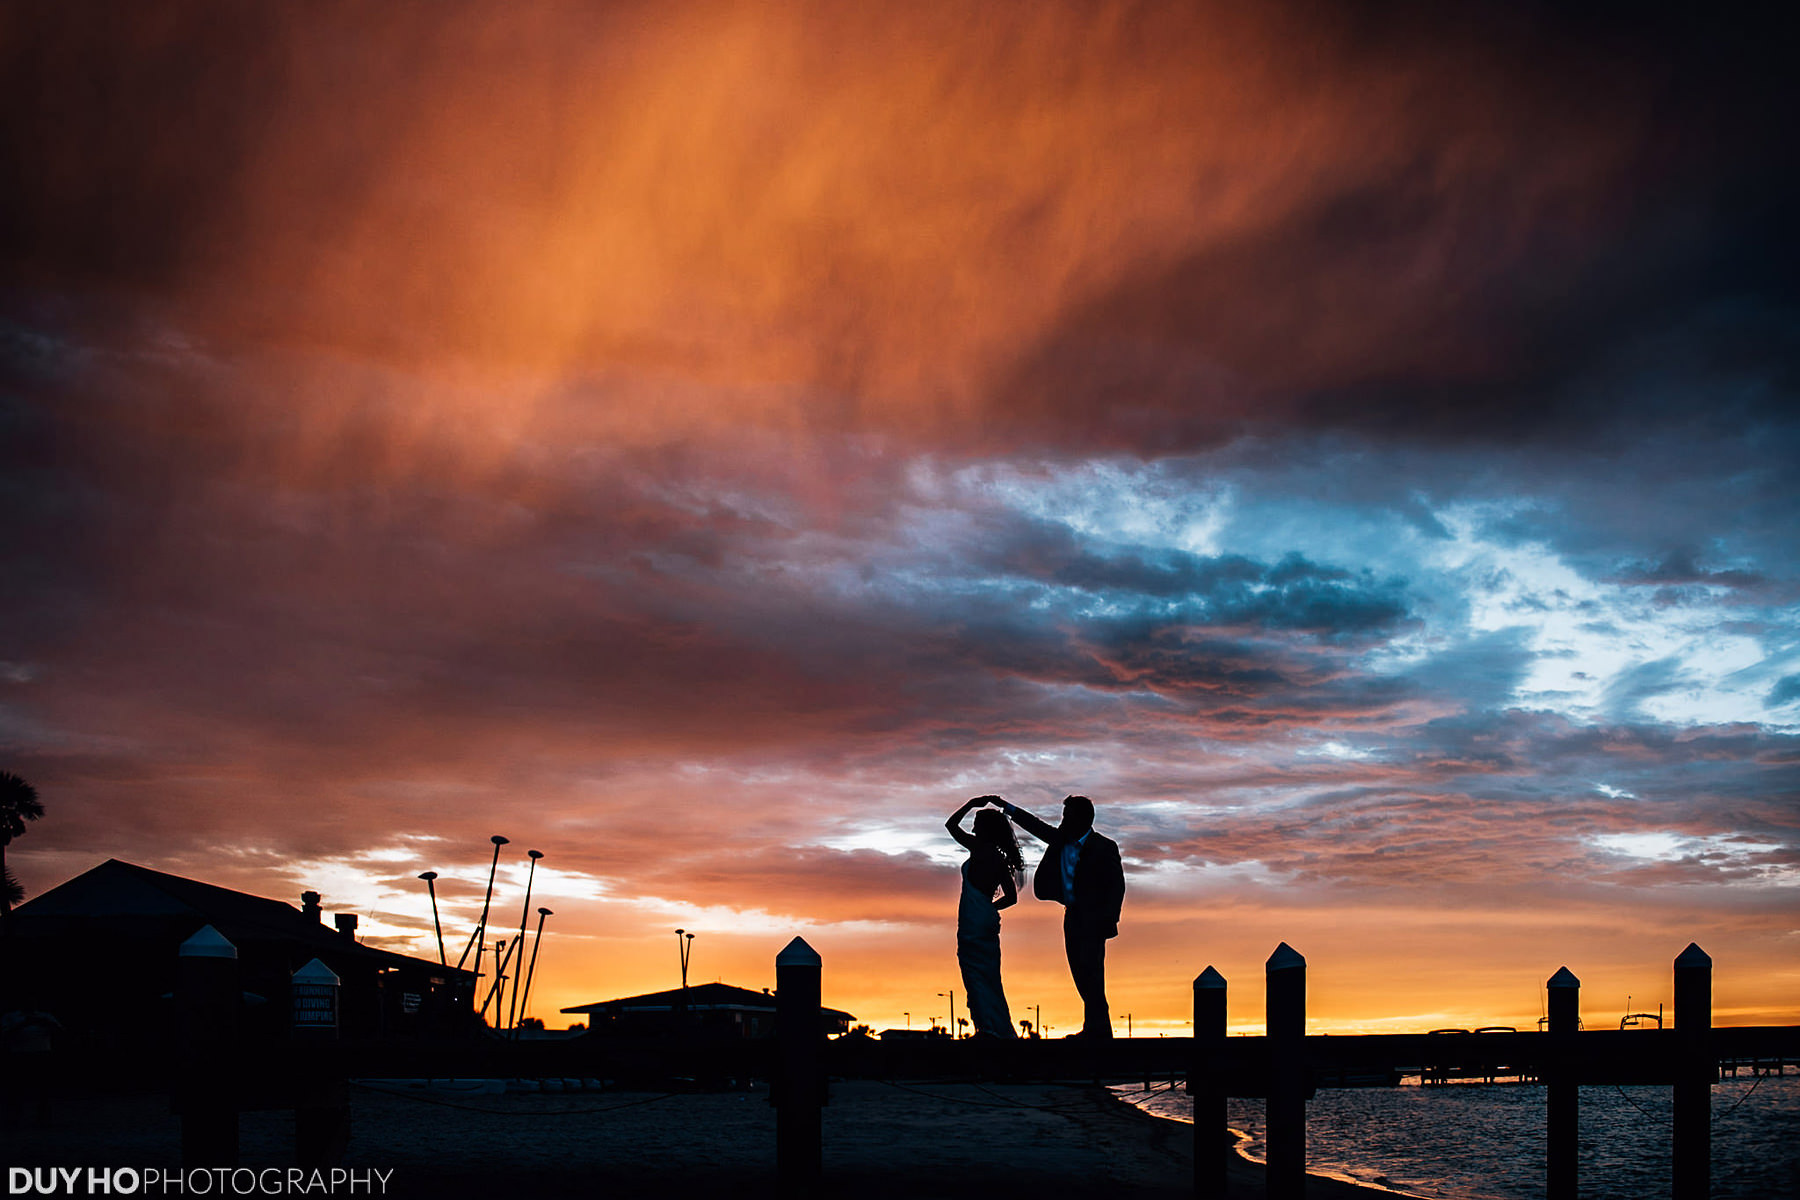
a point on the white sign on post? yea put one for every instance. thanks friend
(315, 991)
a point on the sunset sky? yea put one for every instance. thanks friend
(1355, 444)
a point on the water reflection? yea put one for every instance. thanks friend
(1487, 1143)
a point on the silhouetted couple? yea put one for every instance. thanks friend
(1080, 870)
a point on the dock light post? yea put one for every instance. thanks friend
(431, 887)
(531, 971)
(952, 995)
(481, 925)
(524, 915)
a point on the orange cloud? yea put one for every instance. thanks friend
(905, 219)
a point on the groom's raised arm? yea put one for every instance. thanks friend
(1032, 825)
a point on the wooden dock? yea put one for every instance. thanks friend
(1284, 1068)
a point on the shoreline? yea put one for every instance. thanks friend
(1246, 1176)
(1241, 1154)
(1363, 1186)
(882, 1141)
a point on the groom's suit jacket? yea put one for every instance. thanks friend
(1099, 875)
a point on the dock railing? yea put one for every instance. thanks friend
(1283, 1067)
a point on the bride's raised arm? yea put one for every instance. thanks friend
(954, 824)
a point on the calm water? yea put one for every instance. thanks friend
(1474, 1142)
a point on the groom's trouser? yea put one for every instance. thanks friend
(1084, 940)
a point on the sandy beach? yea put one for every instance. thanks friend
(880, 1140)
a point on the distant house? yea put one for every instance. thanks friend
(718, 1009)
(100, 953)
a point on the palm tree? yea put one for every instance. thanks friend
(18, 804)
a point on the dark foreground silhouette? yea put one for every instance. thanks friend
(883, 1140)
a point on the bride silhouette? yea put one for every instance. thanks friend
(993, 865)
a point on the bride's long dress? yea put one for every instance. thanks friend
(978, 953)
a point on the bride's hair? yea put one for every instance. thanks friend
(993, 829)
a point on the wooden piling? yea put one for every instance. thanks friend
(206, 993)
(1695, 1070)
(800, 1082)
(1563, 1099)
(1206, 1086)
(321, 1093)
(1286, 1105)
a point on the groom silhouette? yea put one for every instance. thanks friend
(1082, 872)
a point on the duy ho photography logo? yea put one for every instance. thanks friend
(195, 1181)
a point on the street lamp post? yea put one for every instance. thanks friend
(502, 956)
(524, 915)
(952, 995)
(481, 925)
(525, 1004)
(436, 924)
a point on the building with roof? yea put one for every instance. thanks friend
(711, 1009)
(100, 953)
